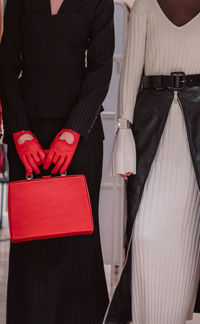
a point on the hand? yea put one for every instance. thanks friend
(29, 151)
(62, 150)
(126, 175)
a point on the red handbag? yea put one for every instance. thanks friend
(49, 207)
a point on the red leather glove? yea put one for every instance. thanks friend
(61, 153)
(30, 152)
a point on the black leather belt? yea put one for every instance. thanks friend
(175, 81)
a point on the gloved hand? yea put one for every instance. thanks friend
(30, 152)
(61, 152)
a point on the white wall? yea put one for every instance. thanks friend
(111, 198)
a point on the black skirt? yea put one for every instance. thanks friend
(59, 281)
(150, 116)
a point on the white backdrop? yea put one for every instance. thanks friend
(111, 199)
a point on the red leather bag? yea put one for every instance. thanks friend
(49, 207)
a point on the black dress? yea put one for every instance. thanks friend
(46, 86)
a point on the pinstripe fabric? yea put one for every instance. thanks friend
(166, 234)
(59, 281)
(97, 74)
(10, 89)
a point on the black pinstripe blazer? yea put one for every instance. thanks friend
(42, 74)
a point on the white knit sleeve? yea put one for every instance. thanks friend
(124, 152)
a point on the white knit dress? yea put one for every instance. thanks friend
(166, 233)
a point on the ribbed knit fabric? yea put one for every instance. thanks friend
(158, 46)
(166, 234)
(59, 281)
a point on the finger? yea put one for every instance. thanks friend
(33, 164)
(56, 158)
(58, 165)
(48, 160)
(36, 158)
(42, 156)
(65, 166)
(28, 167)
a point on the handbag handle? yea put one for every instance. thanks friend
(30, 177)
